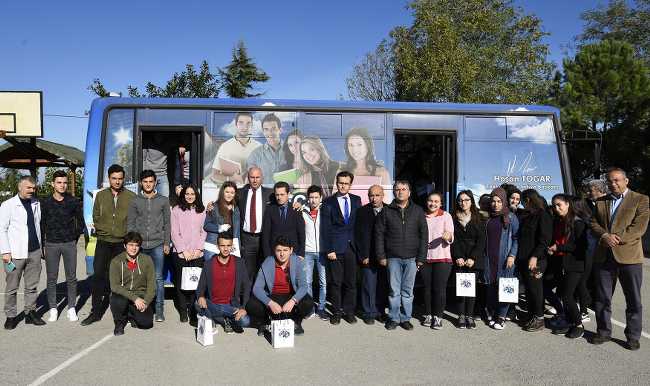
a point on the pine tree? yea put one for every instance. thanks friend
(238, 77)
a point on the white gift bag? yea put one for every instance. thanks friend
(205, 331)
(190, 278)
(508, 290)
(282, 333)
(466, 284)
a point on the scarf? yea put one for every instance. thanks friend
(505, 211)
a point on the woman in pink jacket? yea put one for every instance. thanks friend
(435, 270)
(188, 237)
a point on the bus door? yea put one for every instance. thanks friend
(427, 159)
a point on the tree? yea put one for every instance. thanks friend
(620, 21)
(186, 84)
(374, 78)
(238, 77)
(606, 89)
(471, 51)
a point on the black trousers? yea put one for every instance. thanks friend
(631, 276)
(184, 299)
(251, 252)
(260, 313)
(434, 277)
(464, 304)
(342, 282)
(586, 288)
(101, 287)
(123, 310)
(374, 291)
(570, 283)
(534, 293)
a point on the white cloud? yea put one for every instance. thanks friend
(531, 128)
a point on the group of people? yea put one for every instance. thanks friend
(259, 254)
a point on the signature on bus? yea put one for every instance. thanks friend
(525, 166)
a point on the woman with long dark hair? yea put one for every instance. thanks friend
(360, 153)
(435, 270)
(570, 247)
(467, 250)
(224, 217)
(535, 233)
(321, 168)
(501, 245)
(291, 149)
(188, 238)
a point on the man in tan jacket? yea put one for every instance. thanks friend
(620, 220)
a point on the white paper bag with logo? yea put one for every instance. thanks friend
(508, 290)
(282, 333)
(205, 331)
(190, 278)
(466, 284)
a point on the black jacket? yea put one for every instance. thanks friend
(242, 282)
(341, 235)
(401, 232)
(535, 235)
(364, 233)
(242, 195)
(575, 248)
(293, 228)
(62, 221)
(469, 243)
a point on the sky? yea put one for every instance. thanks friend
(307, 47)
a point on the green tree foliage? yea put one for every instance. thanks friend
(238, 77)
(374, 78)
(620, 20)
(606, 89)
(8, 184)
(471, 51)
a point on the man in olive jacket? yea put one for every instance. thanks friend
(133, 286)
(619, 222)
(109, 221)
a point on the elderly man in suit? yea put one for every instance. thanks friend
(620, 220)
(253, 199)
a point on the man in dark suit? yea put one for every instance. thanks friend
(280, 219)
(374, 294)
(342, 262)
(619, 222)
(253, 199)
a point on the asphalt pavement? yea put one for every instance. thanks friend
(63, 352)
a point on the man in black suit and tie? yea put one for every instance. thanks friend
(253, 199)
(342, 262)
(280, 219)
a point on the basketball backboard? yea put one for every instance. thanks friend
(21, 113)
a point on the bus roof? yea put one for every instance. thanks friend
(102, 104)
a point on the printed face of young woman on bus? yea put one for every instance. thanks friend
(497, 204)
(560, 207)
(190, 196)
(310, 154)
(357, 148)
(229, 194)
(293, 142)
(464, 202)
(434, 202)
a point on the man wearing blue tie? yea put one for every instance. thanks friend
(342, 262)
(281, 220)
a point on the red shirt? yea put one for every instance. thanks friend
(223, 281)
(559, 237)
(282, 283)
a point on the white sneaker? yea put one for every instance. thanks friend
(500, 324)
(585, 317)
(72, 315)
(54, 315)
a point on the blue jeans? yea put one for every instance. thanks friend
(158, 258)
(401, 276)
(318, 259)
(218, 312)
(495, 307)
(162, 186)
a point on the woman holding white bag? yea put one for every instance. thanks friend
(223, 216)
(467, 251)
(188, 238)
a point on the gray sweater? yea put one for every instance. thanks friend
(150, 217)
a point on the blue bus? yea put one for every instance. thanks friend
(441, 147)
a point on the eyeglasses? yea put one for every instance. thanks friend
(465, 200)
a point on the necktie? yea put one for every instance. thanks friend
(283, 212)
(252, 211)
(346, 210)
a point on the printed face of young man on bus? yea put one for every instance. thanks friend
(148, 184)
(282, 253)
(310, 154)
(281, 196)
(314, 200)
(272, 133)
(116, 180)
(255, 177)
(402, 192)
(376, 196)
(225, 246)
(244, 126)
(343, 184)
(60, 185)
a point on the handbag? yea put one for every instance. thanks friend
(190, 278)
(282, 333)
(205, 331)
(466, 284)
(508, 290)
